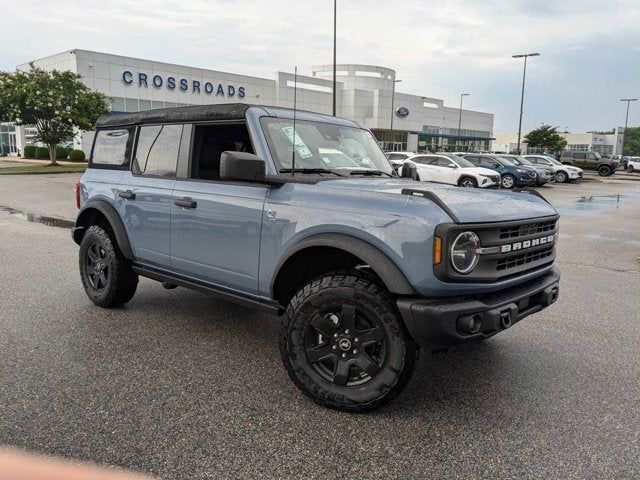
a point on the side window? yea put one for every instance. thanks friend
(209, 141)
(473, 159)
(112, 148)
(421, 160)
(157, 150)
(442, 162)
(579, 156)
(590, 156)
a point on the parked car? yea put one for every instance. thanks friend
(396, 158)
(590, 161)
(363, 267)
(511, 174)
(451, 169)
(564, 173)
(545, 174)
(633, 164)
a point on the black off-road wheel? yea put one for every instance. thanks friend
(604, 171)
(344, 344)
(107, 277)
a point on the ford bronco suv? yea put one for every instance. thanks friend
(590, 161)
(364, 267)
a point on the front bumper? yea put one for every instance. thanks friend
(447, 322)
(526, 180)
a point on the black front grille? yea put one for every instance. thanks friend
(524, 258)
(527, 229)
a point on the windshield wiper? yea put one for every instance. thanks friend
(377, 173)
(310, 171)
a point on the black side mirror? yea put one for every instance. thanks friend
(242, 166)
(409, 170)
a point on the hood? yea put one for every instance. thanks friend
(469, 205)
(571, 168)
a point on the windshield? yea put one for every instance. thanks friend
(461, 162)
(524, 161)
(553, 160)
(321, 145)
(511, 158)
(506, 161)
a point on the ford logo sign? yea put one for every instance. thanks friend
(402, 112)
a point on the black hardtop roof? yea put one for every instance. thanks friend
(196, 113)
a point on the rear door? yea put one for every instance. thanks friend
(215, 224)
(580, 159)
(426, 171)
(147, 191)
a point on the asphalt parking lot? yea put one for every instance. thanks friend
(180, 385)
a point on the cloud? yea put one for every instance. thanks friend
(438, 50)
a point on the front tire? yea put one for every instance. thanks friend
(106, 275)
(344, 345)
(561, 177)
(630, 169)
(508, 182)
(468, 182)
(604, 171)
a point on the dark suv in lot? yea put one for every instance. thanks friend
(301, 215)
(512, 175)
(590, 161)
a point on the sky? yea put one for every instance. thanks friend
(590, 50)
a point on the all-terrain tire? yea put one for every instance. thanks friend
(604, 171)
(333, 311)
(106, 275)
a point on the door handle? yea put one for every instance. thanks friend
(186, 203)
(128, 194)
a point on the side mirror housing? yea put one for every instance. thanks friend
(242, 166)
(408, 170)
(452, 165)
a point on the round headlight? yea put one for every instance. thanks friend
(464, 252)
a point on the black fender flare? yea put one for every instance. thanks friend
(393, 278)
(114, 219)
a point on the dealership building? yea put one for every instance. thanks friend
(364, 93)
(603, 143)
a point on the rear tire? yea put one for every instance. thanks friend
(344, 344)
(106, 275)
(604, 171)
(468, 182)
(630, 169)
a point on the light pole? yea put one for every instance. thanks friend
(393, 98)
(460, 115)
(335, 7)
(626, 121)
(524, 75)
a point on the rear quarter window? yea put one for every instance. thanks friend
(112, 148)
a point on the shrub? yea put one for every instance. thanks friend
(62, 153)
(76, 156)
(29, 151)
(42, 152)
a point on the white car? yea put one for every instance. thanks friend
(396, 158)
(633, 164)
(451, 169)
(563, 173)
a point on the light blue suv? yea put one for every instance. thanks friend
(301, 215)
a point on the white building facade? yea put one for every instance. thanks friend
(364, 93)
(603, 143)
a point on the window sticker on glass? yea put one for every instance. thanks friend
(300, 146)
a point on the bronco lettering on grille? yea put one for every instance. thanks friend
(536, 242)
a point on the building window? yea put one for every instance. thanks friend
(391, 140)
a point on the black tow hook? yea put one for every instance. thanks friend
(505, 319)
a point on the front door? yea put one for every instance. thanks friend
(215, 224)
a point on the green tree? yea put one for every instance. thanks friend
(632, 142)
(546, 138)
(54, 103)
